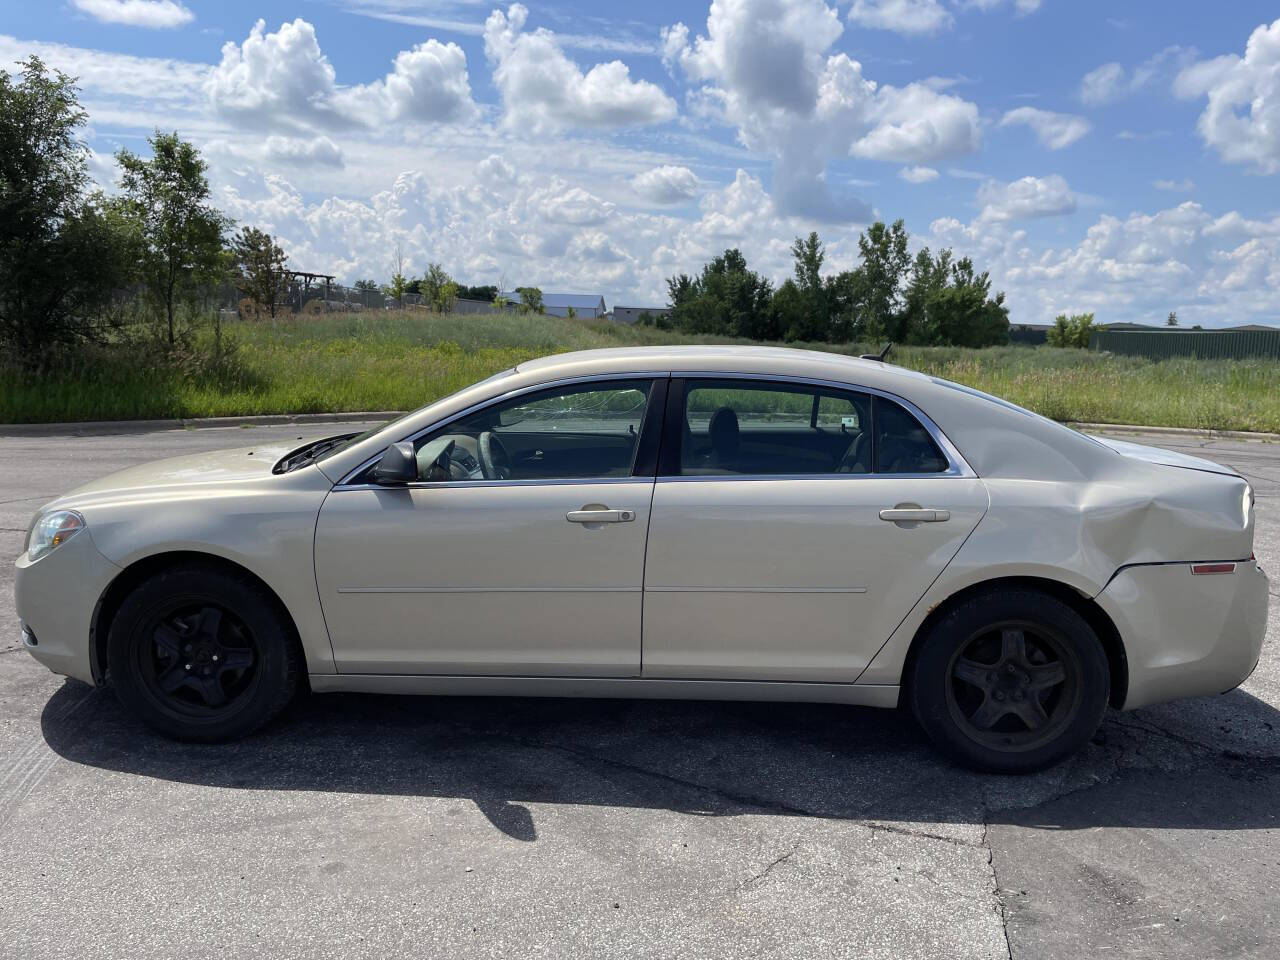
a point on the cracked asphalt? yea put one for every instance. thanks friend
(375, 827)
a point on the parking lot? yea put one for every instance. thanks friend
(376, 827)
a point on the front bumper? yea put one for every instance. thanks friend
(1187, 635)
(56, 597)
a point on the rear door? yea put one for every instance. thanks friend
(794, 525)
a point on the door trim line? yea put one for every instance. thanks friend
(489, 589)
(684, 589)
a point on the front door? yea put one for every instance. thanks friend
(793, 529)
(519, 552)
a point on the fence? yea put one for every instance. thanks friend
(1204, 344)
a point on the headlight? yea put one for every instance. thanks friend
(52, 530)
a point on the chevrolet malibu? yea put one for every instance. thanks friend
(703, 522)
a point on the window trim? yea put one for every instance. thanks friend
(669, 459)
(349, 482)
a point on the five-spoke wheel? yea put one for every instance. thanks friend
(203, 653)
(1009, 681)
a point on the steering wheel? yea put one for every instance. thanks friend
(495, 462)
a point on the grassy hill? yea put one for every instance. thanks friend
(396, 361)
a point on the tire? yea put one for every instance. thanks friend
(203, 654)
(1009, 681)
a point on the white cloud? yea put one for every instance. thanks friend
(1053, 130)
(765, 67)
(298, 152)
(275, 79)
(154, 14)
(427, 84)
(283, 79)
(1026, 198)
(1174, 186)
(1212, 271)
(1020, 6)
(544, 91)
(1242, 118)
(901, 16)
(495, 171)
(113, 74)
(918, 174)
(666, 184)
(1111, 81)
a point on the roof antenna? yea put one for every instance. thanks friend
(879, 356)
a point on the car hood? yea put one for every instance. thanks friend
(189, 474)
(1167, 458)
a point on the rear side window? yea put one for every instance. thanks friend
(761, 428)
(903, 445)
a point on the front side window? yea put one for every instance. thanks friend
(585, 431)
(750, 428)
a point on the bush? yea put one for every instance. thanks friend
(1071, 331)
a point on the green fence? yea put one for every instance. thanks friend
(1205, 344)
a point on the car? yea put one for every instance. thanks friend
(708, 522)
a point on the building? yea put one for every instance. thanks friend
(558, 304)
(630, 315)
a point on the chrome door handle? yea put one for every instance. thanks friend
(600, 516)
(915, 515)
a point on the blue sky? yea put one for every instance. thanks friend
(1119, 157)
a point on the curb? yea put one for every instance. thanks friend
(101, 427)
(1176, 431)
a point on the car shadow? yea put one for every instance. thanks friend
(696, 758)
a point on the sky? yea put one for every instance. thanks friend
(1119, 157)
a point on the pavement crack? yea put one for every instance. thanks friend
(776, 862)
(995, 883)
(919, 834)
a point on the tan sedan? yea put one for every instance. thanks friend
(699, 522)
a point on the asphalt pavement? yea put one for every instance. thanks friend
(361, 826)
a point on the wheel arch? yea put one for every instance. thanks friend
(1094, 615)
(143, 569)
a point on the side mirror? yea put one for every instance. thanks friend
(398, 465)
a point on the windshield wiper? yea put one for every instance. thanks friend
(308, 454)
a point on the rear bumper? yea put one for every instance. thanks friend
(1187, 635)
(55, 598)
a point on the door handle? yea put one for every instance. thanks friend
(600, 515)
(915, 515)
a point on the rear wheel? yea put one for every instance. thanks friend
(202, 654)
(1010, 682)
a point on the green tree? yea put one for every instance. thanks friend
(884, 264)
(63, 252)
(485, 294)
(262, 267)
(727, 299)
(929, 275)
(1172, 321)
(963, 314)
(1071, 331)
(531, 299)
(570, 312)
(806, 312)
(181, 233)
(439, 289)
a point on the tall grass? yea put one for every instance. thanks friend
(397, 361)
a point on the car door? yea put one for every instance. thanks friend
(794, 526)
(519, 551)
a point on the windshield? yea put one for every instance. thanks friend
(347, 441)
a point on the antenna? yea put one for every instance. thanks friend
(881, 355)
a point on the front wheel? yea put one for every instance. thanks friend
(1010, 682)
(202, 654)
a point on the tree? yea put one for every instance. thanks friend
(1172, 321)
(399, 284)
(805, 308)
(530, 300)
(262, 268)
(439, 289)
(570, 312)
(929, 275)
(1071, 331)
(884, 264)
(728, 299)
(181, 233)
(63, 252)
(485, 294)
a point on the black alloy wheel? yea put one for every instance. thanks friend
(1009, 680)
